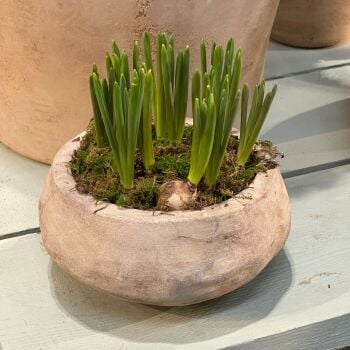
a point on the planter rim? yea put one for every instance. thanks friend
(62, 174)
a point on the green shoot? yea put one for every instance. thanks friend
(171, 87)
(123, 110)
(126, 104)
(251, 126)
(101, 137)
(147, 53)
(204, 121)
(146, 122)
(222, 81)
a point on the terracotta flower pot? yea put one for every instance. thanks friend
(156, 258)
(48, 46)
(312, 23)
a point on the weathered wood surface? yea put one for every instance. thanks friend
(284, 60)
(21, 181)
(306, 285)
(309, 120)
(330, 334)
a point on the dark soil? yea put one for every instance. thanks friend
(92, 170)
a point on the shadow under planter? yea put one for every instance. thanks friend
(234, 311)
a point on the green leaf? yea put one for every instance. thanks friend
(172, 41)
(168, 95)
(126, 101)
(115, 49)
(207, 141)
(227, 131)
(136, 57)
(203, 138)
(253, 115)
(184, 95)
(195, 140)
(95, 70)
(160, 111)
(116, 66)
(107, 122)
(125, 68)
(147, 142)
(111, 80)
(205, 84)
(101, 136)
(203, 51)
(120, 125)
(109, 64)
(216, 156)
(147, 51)
(196, 88)
(171, 65)
(244, 111)
(178, 88)
(259, 110)
(213, 46)
(228, 59)
(134, 116)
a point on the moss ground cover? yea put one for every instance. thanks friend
(93, 172)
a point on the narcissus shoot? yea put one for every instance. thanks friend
(171, 89)
(204, 121)
(222, 82)
(138, 97)
(251, 126)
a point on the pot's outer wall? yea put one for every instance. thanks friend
(175, 259)
(312, 23)
(48, 47)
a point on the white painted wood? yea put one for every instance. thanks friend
(309, 119)
(21, 181)
(308, 283)
(282, 59)
(331, 334)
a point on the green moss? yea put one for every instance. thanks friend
(173, 166)
(123, 201)
(92, 170)
(144, 195)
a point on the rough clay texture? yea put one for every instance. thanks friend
(48, 47)
(159, 258)
(312, 23)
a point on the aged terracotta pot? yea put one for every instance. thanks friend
(177, 258)
(312, 23)
(48, 46)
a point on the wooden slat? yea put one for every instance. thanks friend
(21, 181)
(284, 60)
(309, 119)
(331, 334)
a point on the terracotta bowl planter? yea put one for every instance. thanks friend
(176, 258)
(312, 23)
(48, 47)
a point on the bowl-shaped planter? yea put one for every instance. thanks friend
(312, 23)
(49, 45)
(176, 258)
